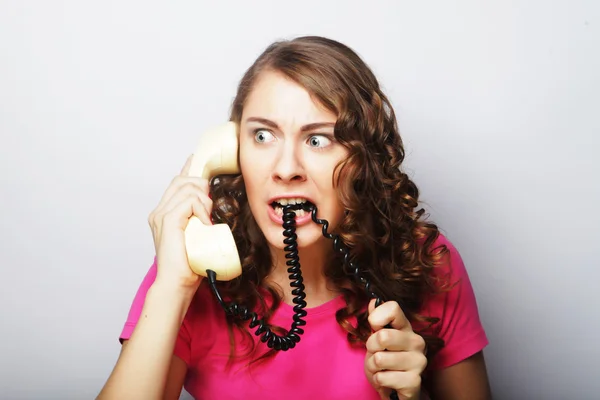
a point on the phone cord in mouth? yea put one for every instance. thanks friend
(273, 340)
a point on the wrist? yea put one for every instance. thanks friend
(173, 275)
(174, 285)
(167, 289)
(165, 295)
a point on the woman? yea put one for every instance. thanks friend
(315, 128)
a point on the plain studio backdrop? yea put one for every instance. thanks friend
(101, 103)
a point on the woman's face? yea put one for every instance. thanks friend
(288, 154)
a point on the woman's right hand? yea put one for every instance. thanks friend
(185, 197)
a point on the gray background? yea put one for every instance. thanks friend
(101, 102)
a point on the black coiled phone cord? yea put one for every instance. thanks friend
(289, 340)
(273, 340)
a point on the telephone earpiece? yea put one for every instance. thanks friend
(213, 246)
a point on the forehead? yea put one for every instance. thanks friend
(276, 97)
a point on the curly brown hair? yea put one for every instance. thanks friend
(383, 227)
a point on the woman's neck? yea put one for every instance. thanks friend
(313, 262)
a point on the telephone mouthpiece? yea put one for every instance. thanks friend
(212, 247)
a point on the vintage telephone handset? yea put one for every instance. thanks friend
(217, 153)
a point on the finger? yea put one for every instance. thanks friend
(395, 361)
(187, 190)
(407, 383)
(202, 212)
(179, 216)
(387, 313)
(394, 340)
(181, 188)
(177, 183)
(186, 167)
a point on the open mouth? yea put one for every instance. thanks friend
(299, 205)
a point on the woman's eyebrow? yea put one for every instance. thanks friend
(307, 127)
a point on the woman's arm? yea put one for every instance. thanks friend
(146, 368)
(147, 363)
(175, 378)
(466, 380)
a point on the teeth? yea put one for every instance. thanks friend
(297, 200)
(281, 203)
(299, 213)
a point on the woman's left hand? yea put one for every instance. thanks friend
(395, 357)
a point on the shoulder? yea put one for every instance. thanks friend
(450, 272)
(455, 305)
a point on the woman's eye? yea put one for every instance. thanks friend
(263, 136)
(319, 141)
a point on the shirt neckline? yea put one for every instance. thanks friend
(331, 306)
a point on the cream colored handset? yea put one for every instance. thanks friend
(212, 246)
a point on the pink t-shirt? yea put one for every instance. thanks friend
(323, 364)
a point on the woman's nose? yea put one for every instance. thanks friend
(289, 165)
